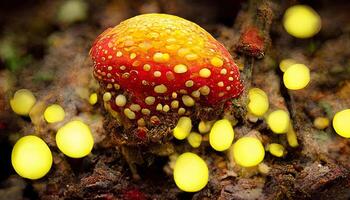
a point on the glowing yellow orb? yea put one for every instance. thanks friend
(341, 123)
(183, 128)
(292, 138)
(54, 113)
(248, 152)
(31, 157)
(276, 149)
(258, 102)
(22, 102)
(321, 122)
(205, 126)
(93, 99)
(221, 135)
(301, 21)
(296, 77)
(194, 139)
(191, 173)
(74, 139)
(286, 63)
(278, 121)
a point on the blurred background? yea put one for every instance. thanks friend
(44, 46)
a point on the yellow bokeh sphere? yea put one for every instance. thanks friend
(276, 149)
(22, 102)
(54, 113)
(296, 77)
(31, 157)
(194, 139)
(248, 152)
(93, 99)
(286, 63)
(341, 123)
(279, 121)
(191, 173)
(182, 128)
(321, 122)
(221, 135)
(74, 139)
(258, 102)
(292, 138)
(301, 21)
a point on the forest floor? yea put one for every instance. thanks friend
(43, 53)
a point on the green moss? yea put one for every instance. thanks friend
(11, 56)
(327, 108)
(43, 77)
(322, 136)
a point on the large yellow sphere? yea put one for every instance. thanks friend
(221, 135)
(31, 157)
(279, 121)
(74, 139)
(54, 113)
(191, 173)
(22, 102)
(301, 21)
(248, 152)
(258, 102)
(341, 123)
(296, 77)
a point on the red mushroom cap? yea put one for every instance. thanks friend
(162, 63)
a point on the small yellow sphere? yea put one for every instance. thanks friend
(301, 21)
(341, 123)
(296, 77)
(22, 102)
(31, 157)
(248, 152)
(286, 63)
(74, 139)
(221, 135)
(182, 128)
(194, 139)
(258, 102)
(205, 126)
(93, 99)
(279, 121)
(276, 149)
(292, 138)
(54, 113)
(321, 122)
(191, 173)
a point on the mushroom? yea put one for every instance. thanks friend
(157, 65)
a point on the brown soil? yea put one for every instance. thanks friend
(51, 59)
